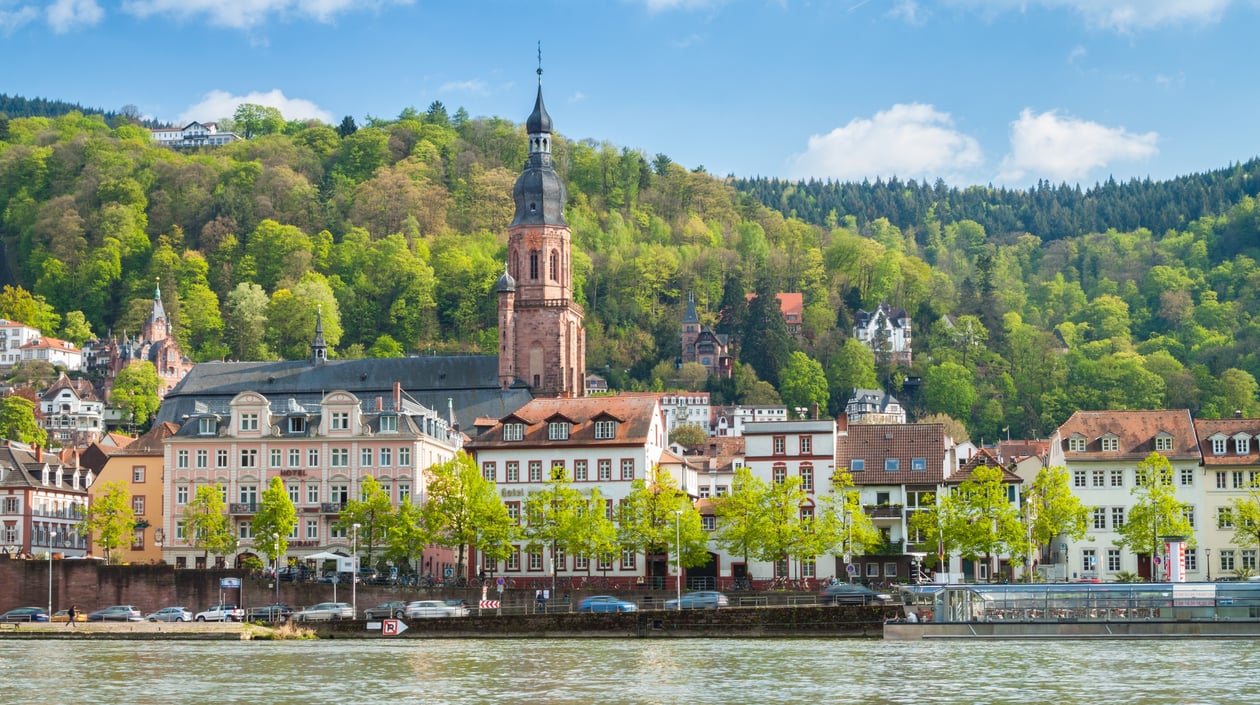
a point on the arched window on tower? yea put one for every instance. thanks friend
(533, 264)
(555, 266)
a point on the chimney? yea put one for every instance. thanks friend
(813, 411)
(39, 454)
(397, 396)
(380, 404)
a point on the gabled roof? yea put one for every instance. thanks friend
(151, 443)
(636, 413)
(81, 388)
(874, 443)
(1207, 428)
(983, 458)
(1135, 431)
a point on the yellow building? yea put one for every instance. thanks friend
(139, 466)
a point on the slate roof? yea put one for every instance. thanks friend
(874, 443)
(470, 382)
(1135, 431)
(1206, 428)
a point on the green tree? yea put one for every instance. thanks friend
(554, 517)
(207, 524)
(1245, 513)
(464, 510)
(598, 537)
(274, 521)
(253, 120)
(110, 520)
(135, 391)
(841, 525)
(17, 304)
(741, 516)
(802, 383)
(785, 532)
(852, 367)
(950, 388)
(245, 322)
(688, 435)
(1156, 513)
(648, 516)
(981, 519)
(405, 544)
(1053, 510)
(765, 342)
(76, 328)
(374, 514)
(17, 421)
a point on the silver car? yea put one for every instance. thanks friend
(433, 608)
(324, 612)
(171, 614)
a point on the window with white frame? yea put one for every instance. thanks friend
(1218, 446)
(181, 494)
(137, 505)
(294, 492)
(365, 457)
(339, 457)
(249, 457)
(1227, 561)
(312, 457)
(1238, 479)
(1187, 477)
(312, 493)
(1117, 478)
(181, 533)
(708, 523)
(579, 471)
(581, 563)
(389, 423)
(779, 474)
(605, 470)
(404, 457)
(513, 470)
(513, 511)
(1187, 513)
(137, 474)
(857, 465)
(780, 445)
(205, 426)
(1089, 560)
(513, 562)
(807, 445)
(1100, 518)
(1222, 481)
(1224, 517)
(248, 494)
(339, 421)
(312, 529)
(807, 477)
(1117, 517)
(558, 431)
(276, 457)
(297, 424)
(245, 530)
(387, 457)
(489, 563)
(249, 422)
(892, 464)
(1192, 559)
(295, 457)
(1241, 445)
(872, 570)
(627, 468)
(1247, 559)
(1076, 444)
(535, 561)
(1163, 443)
(605, 430)
(1110, 443)
(1098, 478)
(1078, 478)
(404, 492)
(489, 471)
(181, 459)
(918, 464)
(628, 559)
(513, 431)
(1113, 560)
(535, 471)
(339, 493)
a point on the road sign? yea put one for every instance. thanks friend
(489, 604)
(850, 569)
(225, 583)
(448, 572)
(498, 585)
(392, 627)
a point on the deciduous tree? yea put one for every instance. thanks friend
(110, 520)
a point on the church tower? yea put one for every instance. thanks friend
(541, 339)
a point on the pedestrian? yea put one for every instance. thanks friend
(71, 615)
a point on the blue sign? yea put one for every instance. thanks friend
(850, 569)
(448, 572)
(225, 583)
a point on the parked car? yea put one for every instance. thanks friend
(325, 611)
(421, 609)
(171, 614)
(64, 616)
(25, 614)
(699, 600)
(847, 594)
(275, 612)
(295, 574)
(461, 607)
(221, 613)
(606, 603)
(117, 613)
(386, 610)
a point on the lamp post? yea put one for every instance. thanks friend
(275, 573)
(51, 535)
(848, 545)
(1209, 564)
(678, 556)
(354, 580)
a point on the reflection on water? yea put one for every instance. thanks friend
(692, 671)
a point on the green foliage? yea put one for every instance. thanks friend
(1156, 511)
(803, 383)
(464, 510)
(688, 435)
(17, 421)
(274, 521)
(135, 391)
(110, 519)
(370, 518)
(207, 523)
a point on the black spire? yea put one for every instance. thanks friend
(319, 348)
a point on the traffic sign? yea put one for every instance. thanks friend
(393, 627)
(850, 569)
(229, 583)
(489, 604)
(448, 572)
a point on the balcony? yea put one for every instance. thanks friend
(242, 508)
(883, 511)
(332, 507)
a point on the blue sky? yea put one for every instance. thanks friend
(1002, 92)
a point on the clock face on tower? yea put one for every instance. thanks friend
(533, 240)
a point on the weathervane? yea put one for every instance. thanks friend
(540, 62)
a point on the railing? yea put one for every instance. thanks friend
(242, 508)
(332, 507)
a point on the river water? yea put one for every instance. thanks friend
(687, 671)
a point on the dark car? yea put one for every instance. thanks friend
(846, 594)
(275, 612)
(386, 610)
(606, 603)
(25, 614)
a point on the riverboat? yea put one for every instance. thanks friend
(1079, 611)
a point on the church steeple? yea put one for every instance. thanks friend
(319, 349)
(155, 326)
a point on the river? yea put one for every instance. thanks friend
(688, 671)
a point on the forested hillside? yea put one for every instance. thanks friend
(1135, 295)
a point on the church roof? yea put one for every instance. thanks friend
(539, 120)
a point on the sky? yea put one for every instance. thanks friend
(988, 92)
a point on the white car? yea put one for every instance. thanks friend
(221, 613)
(421, 609)
(324, 612)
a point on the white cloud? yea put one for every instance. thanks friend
(221, 104)
(664, 5)
(577, 97)
(1118, 15)
(11, 20)
(65, 15)
(474, 86)
(244, 14)
(1067, 149)
(907, 140)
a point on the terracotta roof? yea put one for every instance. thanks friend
(876, 443)
(791, 304)
(152, 442)
(1135, 430)
(1207, 428)
(46, 342)
(1017, 449)
(634, 414)
(984, 458)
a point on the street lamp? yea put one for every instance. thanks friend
(354, 580)
(275, 573)
(51, 535)
(848, 546)
(1209, 564)
(678, 556)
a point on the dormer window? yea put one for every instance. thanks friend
(1218, 445)
(340, 421)
(297, 424)
(1110, 443)
(513, 431)
(1241, 445)
(1163, 441)
(1076, 444)
(205, 426)
(249, 422)
(605, 430)
(558, 431)
(389, 424)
